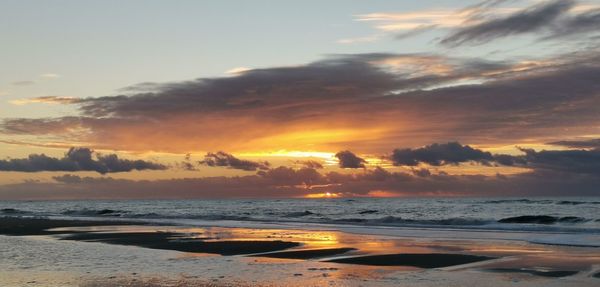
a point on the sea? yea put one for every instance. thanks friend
(554, 214)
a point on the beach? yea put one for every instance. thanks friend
(105, 252)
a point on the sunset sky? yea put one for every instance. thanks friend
(195, 99)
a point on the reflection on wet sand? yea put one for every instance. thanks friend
(351, 248)
(319, 256)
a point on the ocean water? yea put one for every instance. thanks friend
(561, 214)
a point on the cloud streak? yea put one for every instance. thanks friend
(529, 20)
(573, 26)
(223, 159)
(591, 143)
(46, 100)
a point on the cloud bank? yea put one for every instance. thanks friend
(287, 182)
(366, 101)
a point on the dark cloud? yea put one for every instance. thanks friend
(571, 161)
(224, 159)
(440, 154)
(187, 163)
(529, 20)
(592, 143)
(347, 159)
(347, 76)
(68, 178)
(44, 126)
(77, 159)
(516, 107)
(453, 153)
(422, 172)
(310, 164)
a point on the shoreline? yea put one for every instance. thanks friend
(278, 246)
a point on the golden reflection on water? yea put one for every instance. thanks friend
(516, 254)
(312, 239)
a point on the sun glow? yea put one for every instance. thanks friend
(285, 153)
(323, 195)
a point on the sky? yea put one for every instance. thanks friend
(307, 99)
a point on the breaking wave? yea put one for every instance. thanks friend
(542, 219)
(13, 211)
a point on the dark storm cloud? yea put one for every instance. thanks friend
(224, 159)
(529, 20)
(77, 159)
(348, 159)
(593, 143)
(440, 154)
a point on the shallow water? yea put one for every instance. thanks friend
(46, 261)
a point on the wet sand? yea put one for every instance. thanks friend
(427, 260)
(41, 226)
(180, 242)
(282, 257)
(307, 254)
(554, 274)
(156, 240)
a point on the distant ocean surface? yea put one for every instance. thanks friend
(576, 214)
